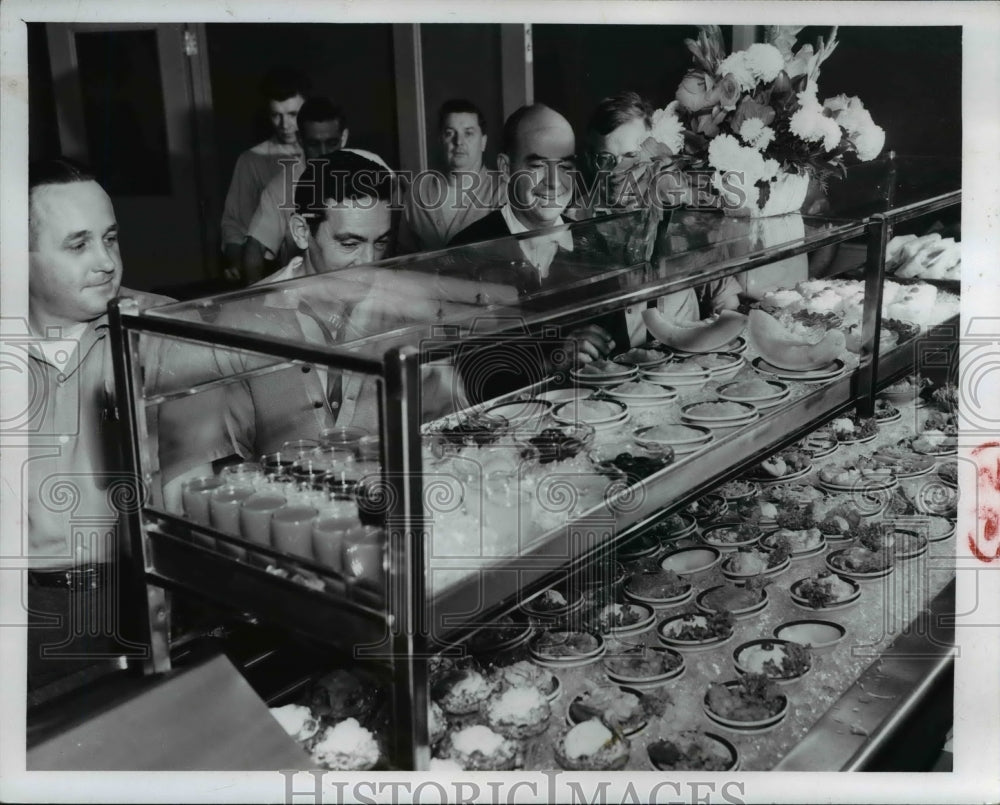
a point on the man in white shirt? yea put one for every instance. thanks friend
(439, 206)
(342, 224)
(323, 130)
(76, 482)
(283, 89)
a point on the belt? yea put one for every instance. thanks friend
(87, 577)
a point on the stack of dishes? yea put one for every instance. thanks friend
(599, 414)
(602, 374)
(719, 414)
(757, 391)
(833, 370)
(681, 375)
(683, 439)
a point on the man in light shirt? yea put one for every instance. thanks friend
(439, 206)
(323, 130)
(283, 90)
(342, 224)
(75, 476)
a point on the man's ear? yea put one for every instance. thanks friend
(299, 230)
(503, 164)
(343, 138)
(485, 138)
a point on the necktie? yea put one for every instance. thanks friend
(334, 377)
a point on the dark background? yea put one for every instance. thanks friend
(908, 77)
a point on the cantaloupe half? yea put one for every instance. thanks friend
(707, 335)
(780, 348)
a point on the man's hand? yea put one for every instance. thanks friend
(586, 344)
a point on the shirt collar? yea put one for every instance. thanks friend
(563, 238)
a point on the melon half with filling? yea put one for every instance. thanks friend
(707, 335)
(779, 348)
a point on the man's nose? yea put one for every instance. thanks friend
(105, 259)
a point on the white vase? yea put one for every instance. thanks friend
(788, 194)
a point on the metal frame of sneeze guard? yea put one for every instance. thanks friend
(396, 631)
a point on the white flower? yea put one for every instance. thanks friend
(832, 133)
(751, 129)
(869, 143)
(726, 155)
(667, 128)
(765, 61)
(736, 64)
(802, 62)
(755, 133)
(849, 113)
(808, 123)
(837, 103)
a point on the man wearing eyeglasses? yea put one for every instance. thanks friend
(619, 161)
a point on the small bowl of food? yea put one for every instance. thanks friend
(517, 713)
(729, 537)
(737, 491)
(691, 632)
(740, 602)
(644, 666)
(721, 365)
(555, 443)
(591, 746)
(566, 649)
(682, 439)
(816, 635)
(688, 561)
(692, 750)
(658, 589)
(781, 660)
(861, 563)
(462, 691)
(643, 358)
(521, 412)
(478, 748)
(707, 507)
(554, 603)
(524, 673)
(603, 373)
(825, 591)
(745, 564)
(623, 620)
(622, 709)
(641, 394)
(749, 705)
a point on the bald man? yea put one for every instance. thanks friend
(536, 162)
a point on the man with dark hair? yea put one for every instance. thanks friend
(439, 206)
(283, 91)
(342, 222)
(75, 269)
(614, 153)
(323, 130)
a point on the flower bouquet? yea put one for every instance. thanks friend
(753, 122)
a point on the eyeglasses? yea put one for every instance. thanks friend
(606, 161)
